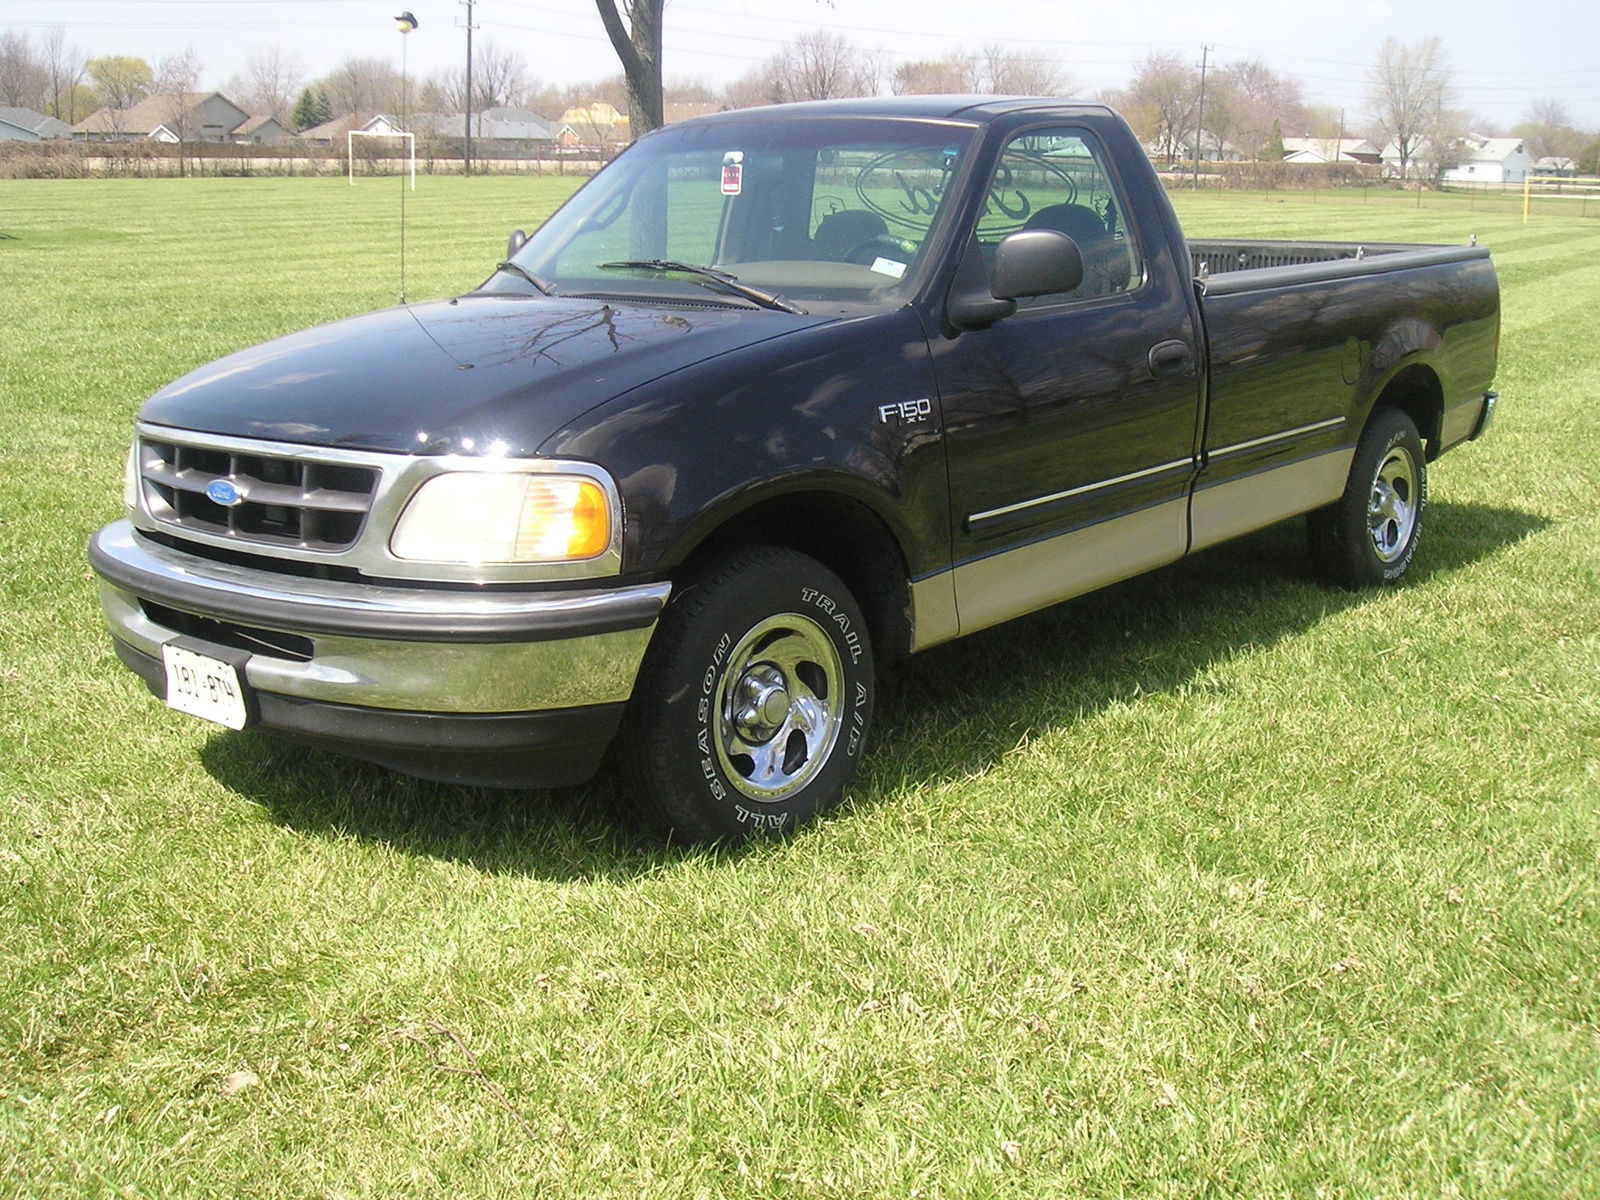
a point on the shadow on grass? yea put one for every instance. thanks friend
(953, 710)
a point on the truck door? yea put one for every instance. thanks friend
(1070, 426)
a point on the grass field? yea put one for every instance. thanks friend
(1217, 883)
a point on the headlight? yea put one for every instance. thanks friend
(473, 517)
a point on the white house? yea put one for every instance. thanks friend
(1491, 160)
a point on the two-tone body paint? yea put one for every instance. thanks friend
(1008, 466)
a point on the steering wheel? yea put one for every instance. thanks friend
(879, 245)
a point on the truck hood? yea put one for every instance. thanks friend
(478, 374)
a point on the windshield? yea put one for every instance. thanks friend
(805, 209)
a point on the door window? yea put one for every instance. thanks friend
(1058, 179)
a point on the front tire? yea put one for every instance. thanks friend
(753, 702)
(1368, 537)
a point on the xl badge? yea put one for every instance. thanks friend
(223, 492)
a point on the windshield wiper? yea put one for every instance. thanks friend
(721, 278)
(544, 285)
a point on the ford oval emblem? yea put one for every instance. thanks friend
(221, 491)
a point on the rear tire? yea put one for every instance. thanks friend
(1368, 537)
(753, 701)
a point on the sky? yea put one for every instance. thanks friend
(1505, 56)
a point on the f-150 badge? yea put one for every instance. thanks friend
(907, 412)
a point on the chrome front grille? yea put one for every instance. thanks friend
(265, 499)
(318, 512)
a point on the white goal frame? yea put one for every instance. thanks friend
(350, 150)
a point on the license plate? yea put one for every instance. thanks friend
(203, 686)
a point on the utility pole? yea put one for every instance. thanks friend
(1200, 114)
(467, 164)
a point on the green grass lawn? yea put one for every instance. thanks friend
(1217, 883)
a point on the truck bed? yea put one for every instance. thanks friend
(1225, 265)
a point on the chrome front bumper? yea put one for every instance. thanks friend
(415, 650)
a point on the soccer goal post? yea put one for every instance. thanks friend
(350, 150)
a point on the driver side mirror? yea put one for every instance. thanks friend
(1035, 262)
(515, 242)
(1030, 262)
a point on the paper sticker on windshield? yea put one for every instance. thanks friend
(733, 173)
(888, 266)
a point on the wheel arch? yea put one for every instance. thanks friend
(1415, 390)
(841, 532)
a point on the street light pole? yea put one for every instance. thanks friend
(1200, 115)
(405, 23)
(468, 160)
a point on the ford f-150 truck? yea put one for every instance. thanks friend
(777, 394)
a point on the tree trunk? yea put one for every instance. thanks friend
(639, 50)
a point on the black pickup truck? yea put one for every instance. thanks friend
(778, 394)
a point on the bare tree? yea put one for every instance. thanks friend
(995, 69)
(1549, 131)
(1409, 93)
(638, 47)
(1160, 103)
(22, 72)
(1256, 98)
(177, 80)
(1014, 73)
(499, 78)
(363, 86)
(684, 90)
(814, 66)
(272, 80)
(64, 72)
(951, 75)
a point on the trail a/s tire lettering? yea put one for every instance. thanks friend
(770, 729)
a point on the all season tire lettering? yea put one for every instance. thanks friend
(702, 712)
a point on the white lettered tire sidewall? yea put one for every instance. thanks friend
(754, 702)
(1386, 496)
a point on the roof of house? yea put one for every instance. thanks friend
(255, 123)
(500, 123)
(150, 114)
(1311, 149)
(339, 126)
(1492, 149)
(35, 122)
(671, 113)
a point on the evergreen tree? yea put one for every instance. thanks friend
(312, 109)
(305, 112)
(1275, 149)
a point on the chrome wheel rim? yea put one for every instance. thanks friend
(778, 701)
(1392, 507)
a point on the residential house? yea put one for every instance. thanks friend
(1491, 160)
(335, 132)
(261, 131)
(26, 125)
(597, 124)
(1554, 166)
(1212, 148)
(190, 117)
(499, 132)
(1327, 150)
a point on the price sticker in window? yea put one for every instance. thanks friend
(733, 173)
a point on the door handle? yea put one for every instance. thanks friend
(1170, 358)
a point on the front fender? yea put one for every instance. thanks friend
(849, 408)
